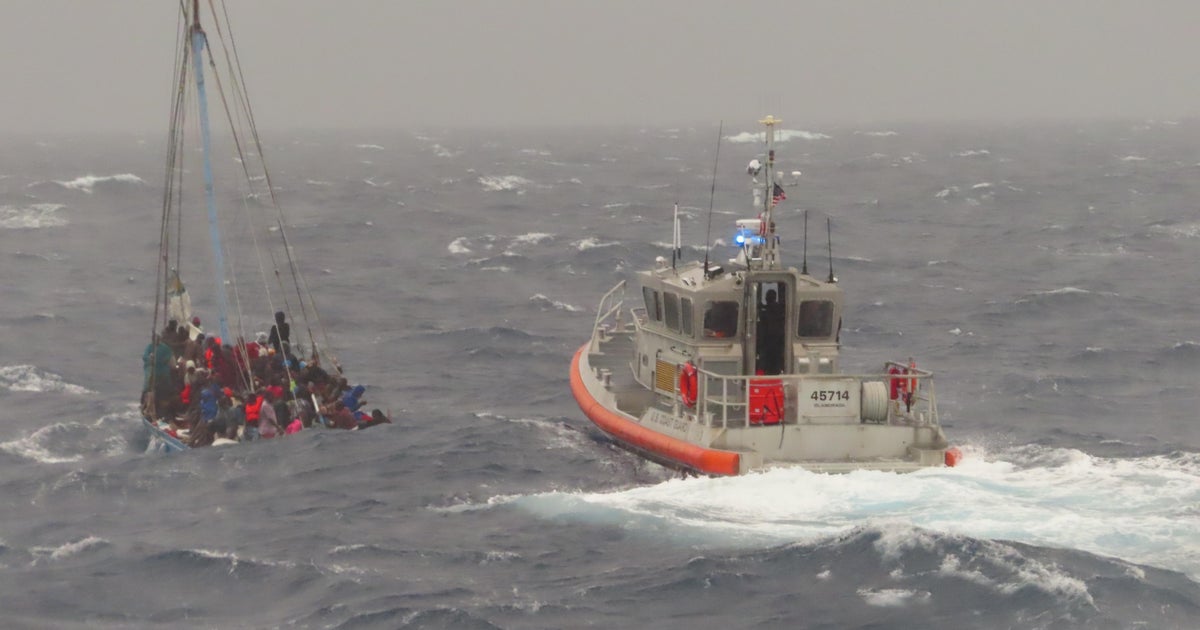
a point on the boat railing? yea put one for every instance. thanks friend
(725, 400)
(608, 314)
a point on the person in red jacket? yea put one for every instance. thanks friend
(254, 405)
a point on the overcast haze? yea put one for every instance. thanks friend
(79, 65)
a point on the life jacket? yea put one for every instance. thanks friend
(253, 410)
(185, 396)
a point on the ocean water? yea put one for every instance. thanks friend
(1045, 272)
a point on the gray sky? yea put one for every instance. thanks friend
(76, 65)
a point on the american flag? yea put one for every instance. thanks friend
(777, 195)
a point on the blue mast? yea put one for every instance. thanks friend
(199, 39)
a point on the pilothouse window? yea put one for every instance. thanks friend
(671, 310)
(816, 319)
(685, 314)
(653, 306)
(720, 320)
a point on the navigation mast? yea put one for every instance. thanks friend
(199, 40)
(770, 256)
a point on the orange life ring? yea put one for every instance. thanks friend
(687, 384)
(899, 386)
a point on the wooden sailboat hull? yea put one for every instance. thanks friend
(162, 440)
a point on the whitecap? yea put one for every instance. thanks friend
(973, 153)
(877, 134)
(782, 135)
(28, 378)
(442, 151)
(33, 447)
(504, 183)
(459, 246)
(38, 215)
(592, 243)
(66, 550)
(546, 303)
(87, 182)
(1133, 158)
(373, 147)
(532, 238)
(892, 597)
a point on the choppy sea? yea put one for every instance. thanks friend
(1045, 272)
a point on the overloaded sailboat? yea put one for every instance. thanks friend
(727, 371)
(220, 384)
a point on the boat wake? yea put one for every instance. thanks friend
(1141, 510)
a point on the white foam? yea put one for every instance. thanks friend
(782, 135)
(973, 153)
(892, 597)
(459, 246)
(27, 378)
(532, 238)
(373, 147)
(87, 182)
(591, 243)
(442, 151)
(946, 192)
(66, 550)
(505, 183)
(34, 447)
(877, 134)
(981, 185)
(1133, 158)
(32, 217)
(1135, 509)
(555, 304)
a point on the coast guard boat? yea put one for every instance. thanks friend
(727, 371)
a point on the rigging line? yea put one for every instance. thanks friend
(160, 297)
(297, 277)
(712, 195)
(238, 89)
(177, 165)
(245, 170)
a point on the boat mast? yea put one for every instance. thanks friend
(199, 39)
(770, 258)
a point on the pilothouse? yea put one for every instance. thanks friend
(726, 371)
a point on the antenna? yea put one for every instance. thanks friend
(676, 247)
(804, 268)
(711, 195)
(829, 236)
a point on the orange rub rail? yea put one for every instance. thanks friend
(711, 461)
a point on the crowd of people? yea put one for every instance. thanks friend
(206, 391)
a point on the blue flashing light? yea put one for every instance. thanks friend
(746, 236)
